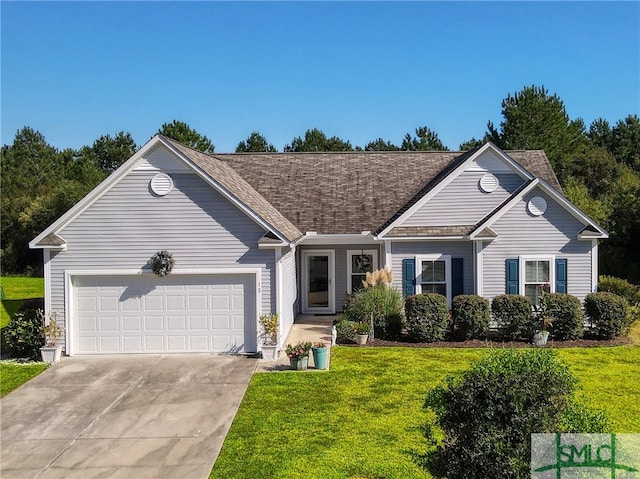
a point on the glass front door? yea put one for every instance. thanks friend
(318, 281)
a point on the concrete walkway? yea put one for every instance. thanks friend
(306, 328)
(136, 416)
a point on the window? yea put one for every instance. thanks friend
(538, 277)
(434, 275)
(359, 263)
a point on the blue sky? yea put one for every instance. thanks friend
(78, 70)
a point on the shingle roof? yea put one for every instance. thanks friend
(339, 192)
(431, 231)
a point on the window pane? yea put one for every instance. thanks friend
(531, 271)
(434, 288)
(543, 271)
(362, 263)
(356, 282)
(439, 271)
(531, 292)
(427, 271)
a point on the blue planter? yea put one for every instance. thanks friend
(320, 358)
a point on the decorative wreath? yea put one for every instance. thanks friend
(161, 263)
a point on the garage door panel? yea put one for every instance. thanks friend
(147, 314)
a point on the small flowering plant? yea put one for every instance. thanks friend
(298, 351)
(319, 345)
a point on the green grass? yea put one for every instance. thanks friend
(16, 290)
(14, 375)
(363, 418)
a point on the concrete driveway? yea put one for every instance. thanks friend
(138, 416)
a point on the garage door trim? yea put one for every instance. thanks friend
(70, 294)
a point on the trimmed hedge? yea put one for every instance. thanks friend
(427, 317)
(488, 412)
(471, 317)
(513, 313)
(608, 314)
(565, 312)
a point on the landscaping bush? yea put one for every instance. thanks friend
(381, 304)
(513, 313)
(565, 313)
(489, 412)
(471, 317)
(608, 314)
(427, 317)
(23, 336)
(621, 287)
(345, 331)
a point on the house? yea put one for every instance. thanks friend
(293, 233)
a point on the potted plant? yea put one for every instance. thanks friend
(269, 324)
(541, 336)
(51, 351)
(319, 355)
(299, 355)
(362, 333)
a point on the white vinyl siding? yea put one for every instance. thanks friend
(289, 294)
(128, 224)
(462, 202)
(554, 234)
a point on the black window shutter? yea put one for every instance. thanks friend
(561, 275)
(512, 276)
(457, 279)
(409, 277)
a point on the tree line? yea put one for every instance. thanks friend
(598, 167)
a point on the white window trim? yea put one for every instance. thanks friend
(358, 252)
(447, 271)
(552, 271)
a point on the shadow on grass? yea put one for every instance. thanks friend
(9, 307)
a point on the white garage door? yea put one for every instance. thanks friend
(177, 313)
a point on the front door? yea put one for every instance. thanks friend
(318, 281)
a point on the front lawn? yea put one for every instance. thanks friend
(16, 289)
(363, 418)
(14, 375)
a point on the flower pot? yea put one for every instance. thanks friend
(299, 364)
(51, 354)
(269, 352)
(540, 338)
(320, 358)
(361, 339)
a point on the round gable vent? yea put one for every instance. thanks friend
(161, 184)
(488, 183)
(537, 205)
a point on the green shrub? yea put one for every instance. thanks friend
(427, 317)
(608, 314)
(565, 313)
(23, 336)
(621, 287)
(345, 331)
(381, 305)
(489, 412)
(471, 317)
(513, 313)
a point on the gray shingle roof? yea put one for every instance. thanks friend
(339, 192)
(431, 231)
